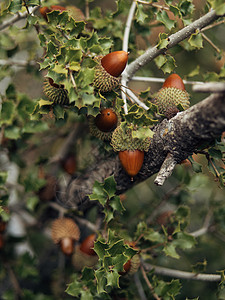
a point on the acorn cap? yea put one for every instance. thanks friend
(64, 228)
(122, 140)
(170, 97)
(135, 264)
(81, 259)
(103, 81)
(54, 92)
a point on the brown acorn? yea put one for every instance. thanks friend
(107, 120)
(88, 244)
(115, 62)
(108, 70)
(132, 265)
(65, 232)
(69, 164)
(131, 161)
(171, 95)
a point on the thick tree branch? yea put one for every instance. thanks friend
(179, 136)
(173, 40)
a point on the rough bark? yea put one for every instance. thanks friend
(178, 137)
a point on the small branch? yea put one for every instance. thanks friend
(209, 87)
(210, 42)
(182, 274)
(88, 224)
(135, 98)
(161, 80)
(149, 283)
(125, 48)
(139, 287)
(72, 79)
(166, 169)
(87, 11)
(173, 40)
(205, 226)
(153, 4)
(212, 25)
(15, 282)
(19, 16)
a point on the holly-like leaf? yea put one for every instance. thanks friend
(196, 40)
(184, 240)
(101, 280)
(170, 250)
(110, 186)
(163, 41)
(112, 278)
(7, 112)
(199, 267)
(163, 17)
(100, 248)
(140, 14)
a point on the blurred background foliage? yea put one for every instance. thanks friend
(32, 176)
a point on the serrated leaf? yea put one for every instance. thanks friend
(86, 295)
(32, 203)
(199, 267)
(110, 186)
(184, 241)
(34, 127)
(170, 250)
(100, 248)
(43, 102)
(101, 280)
(98, 193)
(60, 69)
(160, 60)
(163, 17)
(140, 14)
(58, 111)
(116, 204)
(142, 133)
(218, 6)
(112, 278)
(215, 153)
(74, 288)
(163, 41)
(52, 50)
(196, 40)
(117, 248)
(153, 236)
(195, 166)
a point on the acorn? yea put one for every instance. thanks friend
(131, 150)
(85, 255)
(104, 123)
(88, 244)
(132, 161)
(108, 70)
(65, 232)
(171, 95)
(55, 92)
(69, 164)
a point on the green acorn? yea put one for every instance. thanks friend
(104, 123)
(131, 150)
(55, 93)
(171, 95)
(108, 70)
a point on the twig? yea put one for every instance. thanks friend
(166, 169)
(154, 5)
(149, 283)
(161, 80)
(205, 226)
(88, 224)
(135, 98)
(125, 48)
(139, 287)
(72, 79)
(210, 42)
(15, 282)
(210, 87)
(19, 16)
(213, 25)
(182, 274)
(173, 40)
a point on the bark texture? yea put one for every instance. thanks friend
(174, 140)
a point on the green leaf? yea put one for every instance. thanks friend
(59, 111)
(3, 177)
(98, 193)
(35, 126)
(199, 267)
(112, 278)
(110, 186)
(52, 51)
(163, 17)
(195, 166)
(7, 112)
(100, 248)
(74, 288)
(86, 295)
(12, 132)
(101, 280)
(87, 274)
(15, 6)
(140, 14)
(170, 250)
(218, 6)
(163, 41)
(32, 203)
(184, 240)
(196, 40)
(142, 133)
(116, 204)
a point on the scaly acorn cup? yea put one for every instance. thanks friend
(65, 232)
(104, 123)
(171, 95)
(108, 70)
(55, 93)
(132, 265)
(131, 150)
